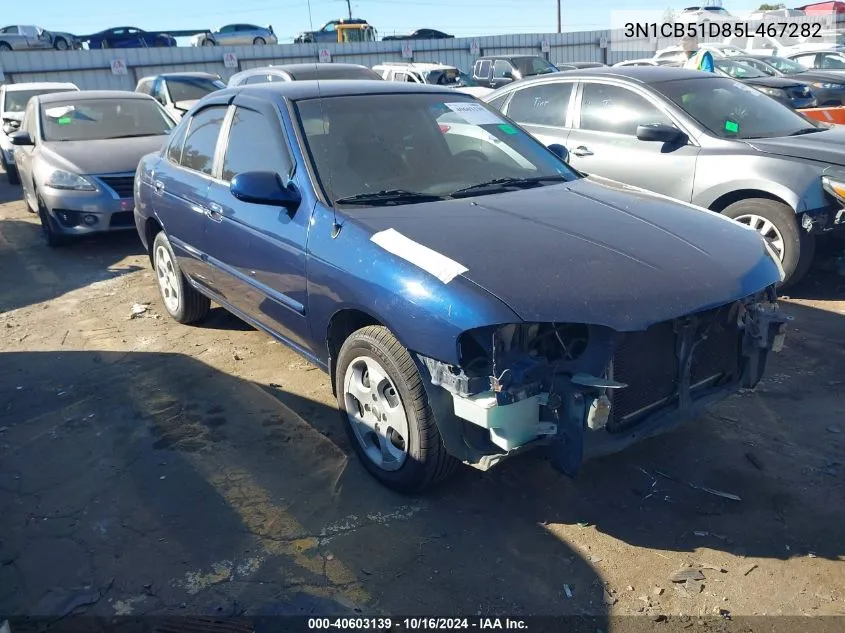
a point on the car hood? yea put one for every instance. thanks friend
(101, 157)
(819, 76)
(827, 146)
(186, 105)
(772, 82)
(15, 116)
(589, 251)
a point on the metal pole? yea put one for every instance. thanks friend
(558, 15)
(349, 6)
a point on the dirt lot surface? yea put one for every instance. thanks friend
(148, 467)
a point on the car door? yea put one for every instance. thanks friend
(226, 35)
(258, 251)
(503, 73)
(544, 110)
(604, 142)
(181, 183)
(24, 153)
(34, 38)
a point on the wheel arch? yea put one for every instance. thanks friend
(725, 200)
(340, 326)
(152, 227)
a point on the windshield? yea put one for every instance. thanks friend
(732, 110)
(528, 66)
(429, 144)
(466, 80)
(16, 100)
(329, 71)
(737, 70)
(192, 88)
(784, 65)
(98, 119)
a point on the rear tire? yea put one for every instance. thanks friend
(182, 301)
(208, 42)
(258, 41)
(5, 47)
(780, 223)
(61, 44)
(425, 461)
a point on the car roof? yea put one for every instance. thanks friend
(641, 74)
(510, 56)
(297, 67)
(311, 89)
(201, 75)
(85, 95)
(38, 85)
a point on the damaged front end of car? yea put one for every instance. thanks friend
(585, 390)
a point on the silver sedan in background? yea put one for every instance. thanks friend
(77, 153)
(236, 35)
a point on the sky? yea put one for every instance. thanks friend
(462, 18)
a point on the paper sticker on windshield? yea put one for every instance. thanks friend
(60, 112)
(437, 264)
(732, 126)
(508, 129)
(474, 113)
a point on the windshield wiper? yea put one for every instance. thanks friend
(505, 183)
(136, 135)
(805, 130)
(389, 196)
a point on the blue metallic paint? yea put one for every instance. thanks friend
(575, 261)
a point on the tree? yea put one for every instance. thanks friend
(668, 16)
(771, 7)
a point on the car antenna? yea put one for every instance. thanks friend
(335, 225)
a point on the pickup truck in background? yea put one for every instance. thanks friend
(27, 37)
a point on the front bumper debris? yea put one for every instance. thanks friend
(654, 381)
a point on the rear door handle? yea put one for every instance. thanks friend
(582, 151)
(159, 186)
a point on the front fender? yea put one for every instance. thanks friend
(425, 314)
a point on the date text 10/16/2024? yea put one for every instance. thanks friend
(724, 29)
(416, 624)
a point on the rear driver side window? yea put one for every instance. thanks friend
(541, 105)
(255, 144)
(606, 108)
(203, 131)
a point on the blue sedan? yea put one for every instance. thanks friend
(470, 294)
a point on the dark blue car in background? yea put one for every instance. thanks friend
(469, 293)
(129, 37)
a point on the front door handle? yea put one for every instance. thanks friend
(581, 150)
(214, 212)
(159, 186)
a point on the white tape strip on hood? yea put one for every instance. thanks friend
(442, 267)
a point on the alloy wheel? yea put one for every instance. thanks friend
(376, 413)
(167, 279)
(767, 229)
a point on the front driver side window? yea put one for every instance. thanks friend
(203, 131)
(255, 144)
(606, 108)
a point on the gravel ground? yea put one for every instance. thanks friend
(152, 468)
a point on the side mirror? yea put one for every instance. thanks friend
(21, 138)
(265, 187)
(659, 132)
(560, 151)
(10, 126)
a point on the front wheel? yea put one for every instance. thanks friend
(49, 231)
(208, 42)
(5, 47)
(258, 41)
(384, 406)
(181, 300)
(61, 44)
(778, 224)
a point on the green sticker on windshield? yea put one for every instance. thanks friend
(731, 126)
(65, 120)
(508, 129)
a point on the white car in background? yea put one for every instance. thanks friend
(645, 61)
(675, 54)
(13, 100)
(700, 15)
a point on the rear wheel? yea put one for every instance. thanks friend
(258, 41)
(181, 300)
(384, 406)
(208, 42)
(61, 44)
(5, 47)
(778, 224)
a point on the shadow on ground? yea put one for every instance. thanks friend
(43, 273)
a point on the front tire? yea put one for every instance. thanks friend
(384, 406)
(778, 224)
(208, 42)
(49, 231)
(258, 41)
(61, 44)
(182, 301)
